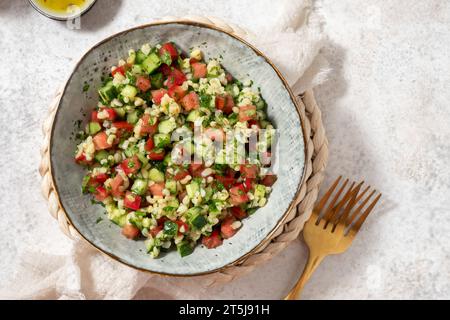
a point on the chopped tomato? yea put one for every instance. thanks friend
(101, 177)
(116, 185)
(101, 193)
(212, 241)
(132, 201)
(195, 169)
(177, 92)
(182, 224)
(94, 116)
(269, 180)
(157, 188)
(101, 141)
(227, 182)
(81, 159)
(120, 70)
(156, 154)
(238, 213)
(248, 184)
(229, 77)
(175, 78)
(181, 174)
(247, 113)
(249, 170)
(130, 165)
(157, 95)
(147, 126)
(155, 230)
(230, 172)
(169, 48)
(149, 145)
(111, 114)
(143, 83)
(198, 70)
(123, 125)
(251, 123)
(130, 231)
(225, 103)
(226, 228)
(238, 195)
(190, 101)
(165, 69)
(193, 60)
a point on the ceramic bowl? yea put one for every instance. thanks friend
(244, 62)
(52, 14)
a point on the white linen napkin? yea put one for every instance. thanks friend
(292, 38)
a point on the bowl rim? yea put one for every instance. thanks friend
(49, 14)
(302, 119)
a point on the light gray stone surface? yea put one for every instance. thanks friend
(385, 109)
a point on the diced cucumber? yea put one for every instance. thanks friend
(156, 175)
(142, 158)
(151, 63)
(100, 155)
(167, 126)
(140, 57)
(94, 127)
(168, 159)
(157, 80)
(193, 115)
(173, 203)
(192, 189)
(139, 186)
(116, 215)
(195, 218)
(233, 119)
(107, 93)
(129, 91)
(85, 182)
(184, 248)
(136, 69)
(170, 228)
(133, 117)
(260, 191)
(209, 193)
(131, 151)
(171, 185)
(121, 112)
(161, 140)
(260, 104)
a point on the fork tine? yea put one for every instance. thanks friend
(334, 214)
(329, 212)
(326, 196)
(357, 211)
(360, 221)
(351, 204)
(350, 196)
(362, 194)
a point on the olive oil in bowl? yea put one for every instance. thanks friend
(61, 6)
(62, 9)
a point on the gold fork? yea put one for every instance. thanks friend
(331, 231)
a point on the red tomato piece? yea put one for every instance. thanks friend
(157, 95)
(269, 180)
(169, 48)
(101, 177)
(155, 230)
(130, 231)
(165, 69)
(123, 125)
(182, 224)
(149, 125)
(132, 201)
(212, 241)
(195, 169)
(251, 123)
(111, 114)
(226, 228)
(181, 174)
(157, 188)
(198, 70)
(190, 101)
(229, 77)
(248, 184)
(156, 154)
(143, 83)
(120, 70)
(81, 159)
(101, 141)
(238, 195)
(101, 193)
(130, 165)
(175, 78)
(227, 182)
(249, 170)
(225, 103)
(238, 213)
(177, 92)
(149, 145)
(247, 113)
(94, 116)
(115, 184)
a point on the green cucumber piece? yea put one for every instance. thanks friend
(170, 228)
(131, 151)
(101, 155)
(157, 80)
(107, 93)
(193, 115)
(129, 91)
(161, 140)
(139, 186)
(195, 218)
(171, 185)
(140, 57)
(156, 175)
(260, 191)
(168, 159)
(121, 112)
(192, 189)
(142, 158)
(136, 69)
(94, 127)
(84, 183)
(151, 63)
(184, 248)
(133, 117)
(261, 104)
(167, 126)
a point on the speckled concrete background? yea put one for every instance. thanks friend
(385, 109)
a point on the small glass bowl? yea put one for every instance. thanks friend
(62, 16)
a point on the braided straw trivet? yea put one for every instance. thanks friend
(315, 161)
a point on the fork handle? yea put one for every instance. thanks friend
(313, 262)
